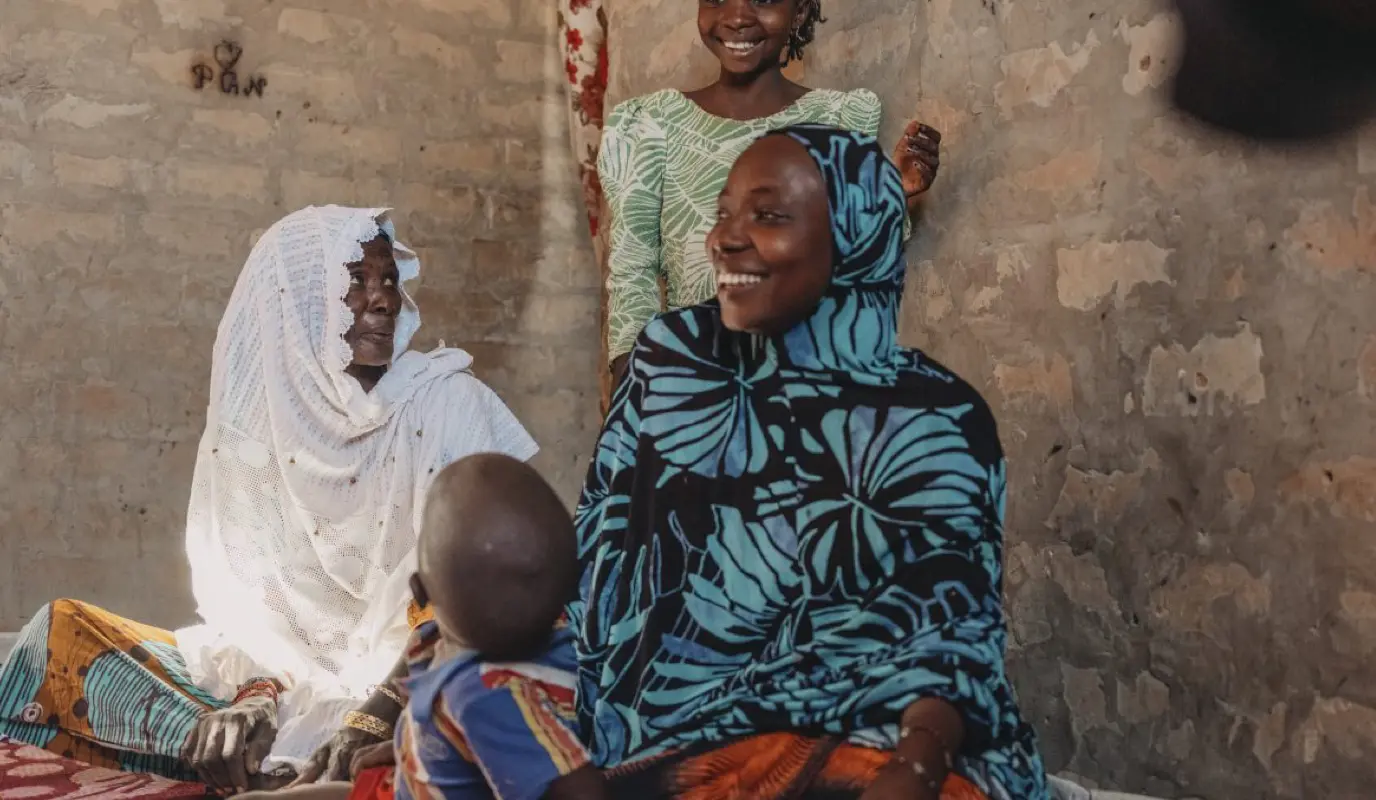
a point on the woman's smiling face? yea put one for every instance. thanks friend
(771, 246)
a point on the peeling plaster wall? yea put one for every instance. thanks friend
(1176, 333)
(129, 201)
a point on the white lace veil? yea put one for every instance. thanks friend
(307, 493)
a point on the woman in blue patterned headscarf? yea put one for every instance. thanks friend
(791, 531)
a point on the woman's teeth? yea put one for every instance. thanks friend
(737, 279)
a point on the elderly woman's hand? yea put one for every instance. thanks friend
(227, 746)
(332, 761)
(364, 732)
(382, 754)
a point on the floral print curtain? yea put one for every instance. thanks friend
(583, 34)
(583, 31)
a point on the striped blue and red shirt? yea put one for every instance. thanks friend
(475, 730)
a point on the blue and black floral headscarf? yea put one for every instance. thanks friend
(800, 532)
(855, 328)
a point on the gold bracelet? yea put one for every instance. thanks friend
(386, 691)
(368, 724)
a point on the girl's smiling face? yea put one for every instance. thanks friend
(748, 36)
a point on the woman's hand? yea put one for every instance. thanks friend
(227, 746)
(332, 761)
(382, 754)
(930, 733)
(918, 156)
(898, 781)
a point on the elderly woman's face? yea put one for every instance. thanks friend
(375, 298)
(772, 242)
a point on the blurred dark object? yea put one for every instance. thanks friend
(1278, 70)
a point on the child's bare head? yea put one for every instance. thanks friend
(497, 556)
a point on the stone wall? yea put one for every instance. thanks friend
(129, 200)
(1176, 333)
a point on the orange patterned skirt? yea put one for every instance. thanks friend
(776, 766)
(92, 686)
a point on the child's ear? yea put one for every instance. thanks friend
(418, 591)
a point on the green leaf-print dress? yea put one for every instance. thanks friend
(663, 161)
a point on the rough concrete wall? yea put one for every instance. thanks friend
(1175, 331)
(128, 202)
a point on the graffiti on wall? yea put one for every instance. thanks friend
(226, 55)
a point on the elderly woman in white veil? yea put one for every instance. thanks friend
(321, 438)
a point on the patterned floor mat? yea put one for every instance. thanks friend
(28, 773)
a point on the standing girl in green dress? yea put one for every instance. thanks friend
(665, 156)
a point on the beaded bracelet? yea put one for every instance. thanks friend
(368, 723)
(908, 730)
(258, 687)
(920, 770)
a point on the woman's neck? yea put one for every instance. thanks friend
(751, 96)
(367, 377)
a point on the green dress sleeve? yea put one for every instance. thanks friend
(630, 166)
(861, 111)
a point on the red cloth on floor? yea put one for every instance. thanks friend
(28, 773)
